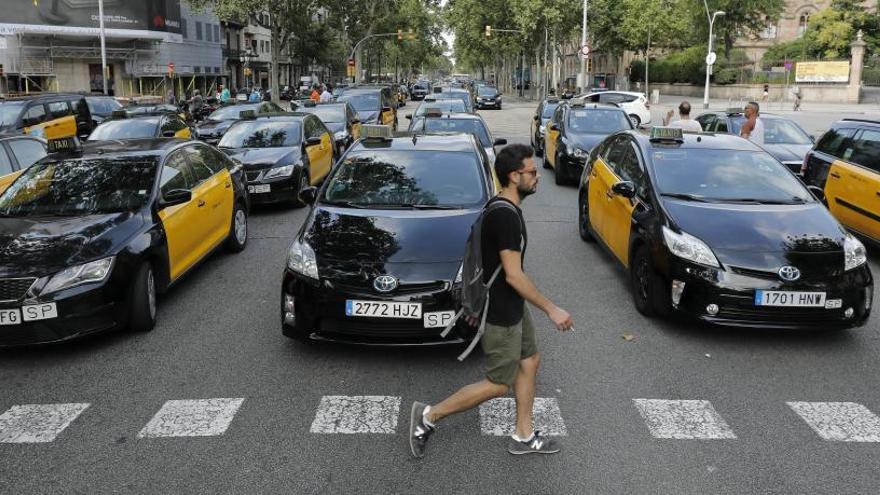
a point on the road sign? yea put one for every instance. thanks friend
(710, 58)
(351, 62)
(585, 50)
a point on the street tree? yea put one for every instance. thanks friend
(742, 18)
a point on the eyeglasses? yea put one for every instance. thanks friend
(527, 172)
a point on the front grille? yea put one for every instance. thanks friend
(402, 289)
(383, 329)
(13, 289)
(772, 314)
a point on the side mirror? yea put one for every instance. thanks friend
(624, 188)
(386, 109)
(309, 194)
(536, 117)
(175, 197)
(168, 134)
(312, 141)
(554, 127)
(499, 142)
(409, 116)
(818, 193)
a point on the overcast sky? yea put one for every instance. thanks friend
(449, 36)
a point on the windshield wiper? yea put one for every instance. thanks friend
(415, 206)
(686, 196)
(758, 201)
(346, 204)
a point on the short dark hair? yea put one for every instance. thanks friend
(684, 108)
(756, 106)
(510, 159)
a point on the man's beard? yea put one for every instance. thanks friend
(525, 191)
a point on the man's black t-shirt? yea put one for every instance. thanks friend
(503, 228)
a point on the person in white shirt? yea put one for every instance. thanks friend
(684, 119)
(753, 128)
(327, 95)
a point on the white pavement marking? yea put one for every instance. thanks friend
(356, 414)
(683, 419)
(192, 418)
(37, 423)
(839, 421)
(498, 417)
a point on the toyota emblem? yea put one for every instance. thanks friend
(789, 273)
(385, 283)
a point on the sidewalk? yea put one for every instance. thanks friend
(777, 107)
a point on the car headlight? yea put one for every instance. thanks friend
(301, 259)
(339, 136)
(285, 171)
(854, 252)
(578, 153)
(93, 271)
(688, 247)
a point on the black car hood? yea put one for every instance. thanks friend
(38, 246)
(788, 152)
(366, 116)
(586, 142)
(263, 156)
(759, 236)
(390, 236)
(214, 127)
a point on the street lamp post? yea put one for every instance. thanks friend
(584, 84)
(246, 60)
(709, 58)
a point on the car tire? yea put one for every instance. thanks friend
(636, 121)
(238, 230)
(142, 300)
(559, 174)
(304, 182)
(649, 296)
(585, 229)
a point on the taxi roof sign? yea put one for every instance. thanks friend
(247, 114)
(577, 102)
(119, 114)
(734, 110)
(309, 103)
(659, 133)
(382, 132)
(433, 112)
(63, 145)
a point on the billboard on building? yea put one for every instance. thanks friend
(150, 19)
(822, 72)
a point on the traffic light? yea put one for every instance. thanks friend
(400, 34)
(488, 30)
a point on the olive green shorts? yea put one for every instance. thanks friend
(506, 346)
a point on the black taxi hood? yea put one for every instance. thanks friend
(39, 246)
(758, 236)
(389, 236)
(788, 152)
(263, 156)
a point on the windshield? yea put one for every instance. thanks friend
(487, 91)
(726, 176)
(9, 112)
(231, 112)
(262, 134)
(368, 103)
(597, 121)
(776, 131)
(102, 106)
(445, 106)
(327, 113)
(463, 96)
(400, 177)
(470, 126)
(80, 187)
(125, 129)
(548, 110)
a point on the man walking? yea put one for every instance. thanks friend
(327, 94)
(684, 119)
(753, 128)
(509, 340)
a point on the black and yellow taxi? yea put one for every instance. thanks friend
(713, 227)
(437, 122)
(282, 154)
(340, 117)
(89, 235)
(48, 116)
(845, 164)
(121, 125)
(213, 128)
(378, 259)
(374, 105)
(16, 154)
(539, 123)
(575, 128)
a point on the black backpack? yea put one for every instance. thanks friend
(475, 292)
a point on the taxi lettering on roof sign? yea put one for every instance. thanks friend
(63, 145)
(376, 132)
(666, 134)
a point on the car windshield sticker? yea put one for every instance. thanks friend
(669, 156)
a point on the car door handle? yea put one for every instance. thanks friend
(609, 194)
(201, 203)
(835, 175)
(228, 185)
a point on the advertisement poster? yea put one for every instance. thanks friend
(153, 19)
(822, 72)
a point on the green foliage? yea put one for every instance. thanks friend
(725, 76)
(742, 17)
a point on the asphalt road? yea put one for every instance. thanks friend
(676, 408)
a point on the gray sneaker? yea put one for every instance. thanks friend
(539, 444)
(419, 432)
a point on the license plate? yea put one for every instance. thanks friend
(790, 299)
(438, 319)
(260, 189)
(39, 312)
(383, 309)
(10, 317)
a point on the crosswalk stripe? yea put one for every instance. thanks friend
(192, 418)
(498, 417)
(683, 419)
(356, 414)
(839, 421)
(37, 423)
